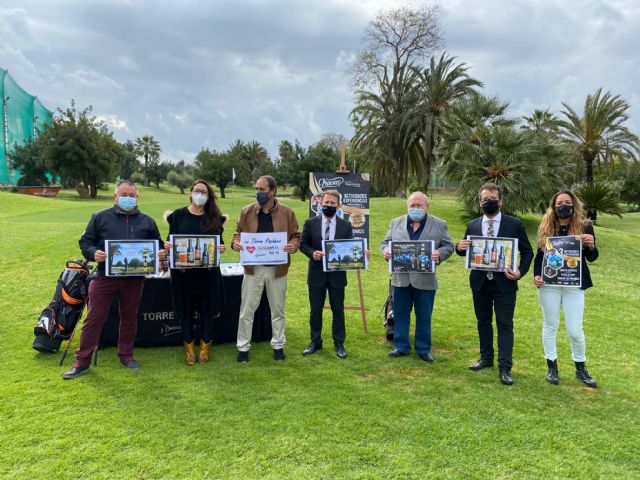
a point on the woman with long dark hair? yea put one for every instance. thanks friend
(197, 290)
(565, 216)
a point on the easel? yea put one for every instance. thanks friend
(343, 169)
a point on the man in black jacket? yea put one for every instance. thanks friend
(122, 221)
(496, 290)
(327, 226)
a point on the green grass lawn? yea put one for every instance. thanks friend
(318, 417)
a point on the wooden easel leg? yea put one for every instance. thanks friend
(362, 308)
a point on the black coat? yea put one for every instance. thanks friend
(312, 240)
(116, 224)
(510, 227)
(587, 255)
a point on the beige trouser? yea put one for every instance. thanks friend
(252, 287)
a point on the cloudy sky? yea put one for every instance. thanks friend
(200, 74)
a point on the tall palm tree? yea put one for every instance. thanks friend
(434, 90)
(149, 148)
(599, 134)
(257, 155)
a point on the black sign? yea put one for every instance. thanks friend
(562, 262)
(354, 192)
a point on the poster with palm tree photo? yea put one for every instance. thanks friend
(132, 258)
(343, 255)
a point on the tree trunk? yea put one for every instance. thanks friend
(592, 215)
(181, 190)
(588, 160)
(222, 191)
(146, 165)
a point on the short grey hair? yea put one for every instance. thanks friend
(418, 194)
(124, 182)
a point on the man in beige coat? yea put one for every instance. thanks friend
(264, 216)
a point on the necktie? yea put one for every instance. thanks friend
(490, 233)
(327, 230)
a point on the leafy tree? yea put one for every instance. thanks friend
(296, 163)
(27, 160)
(78, 146)
(215, 167)
(599, 135)
(130, 163)
(257, 159)
(598, 197)
(156, 171)
(630, 191)
(180, 177)
(148, 148)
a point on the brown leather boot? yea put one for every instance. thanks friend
(190, 352)
(204, 351)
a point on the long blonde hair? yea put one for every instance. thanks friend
(550, 224)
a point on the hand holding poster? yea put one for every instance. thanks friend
(492, 254)
(194, 251)
(562, 262)
(412, 257)
(131, 258)
(263, 248)
(342, 255)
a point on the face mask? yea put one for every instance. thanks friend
(490, 206)
(199, 199)
(127, 203)
(329, 211)
(564, 211)
(262, 197)
(416, 214)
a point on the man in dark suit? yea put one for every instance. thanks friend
(496, 291)
(327, 226)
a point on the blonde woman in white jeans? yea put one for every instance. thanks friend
(565, 216)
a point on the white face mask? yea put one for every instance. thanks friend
(199, 199)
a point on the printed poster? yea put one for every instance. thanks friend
(562, 261)
(412, 257)
(492, 254)
(263, 248)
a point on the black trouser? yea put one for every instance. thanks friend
(317, 296)
(485, 301)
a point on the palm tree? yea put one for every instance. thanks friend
(542, 121)
(434, 90)
(257, 155)
(599, 134)
(149, 148)
(481, 144)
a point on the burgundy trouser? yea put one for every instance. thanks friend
(102, 291)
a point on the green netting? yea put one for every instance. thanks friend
(22, 113)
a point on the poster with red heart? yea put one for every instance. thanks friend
(263, 248)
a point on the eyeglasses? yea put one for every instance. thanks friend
(203, 192)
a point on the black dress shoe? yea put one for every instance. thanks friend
(130, 363)
(427, 357)
(397, 353)
(505, 377)
(340, 351)
(75, 372)
(278, 354)
(480, 364)
(243, 357)
(583, 374)
(312, 348)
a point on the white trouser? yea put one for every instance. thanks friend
(572, 301)
(252, 288)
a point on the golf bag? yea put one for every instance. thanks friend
(388, 314)
(58, 321)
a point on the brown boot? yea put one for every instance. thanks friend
(204, 351)
(190, 352)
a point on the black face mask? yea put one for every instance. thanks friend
(490, 206)
(564, 211)
(329, 211)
